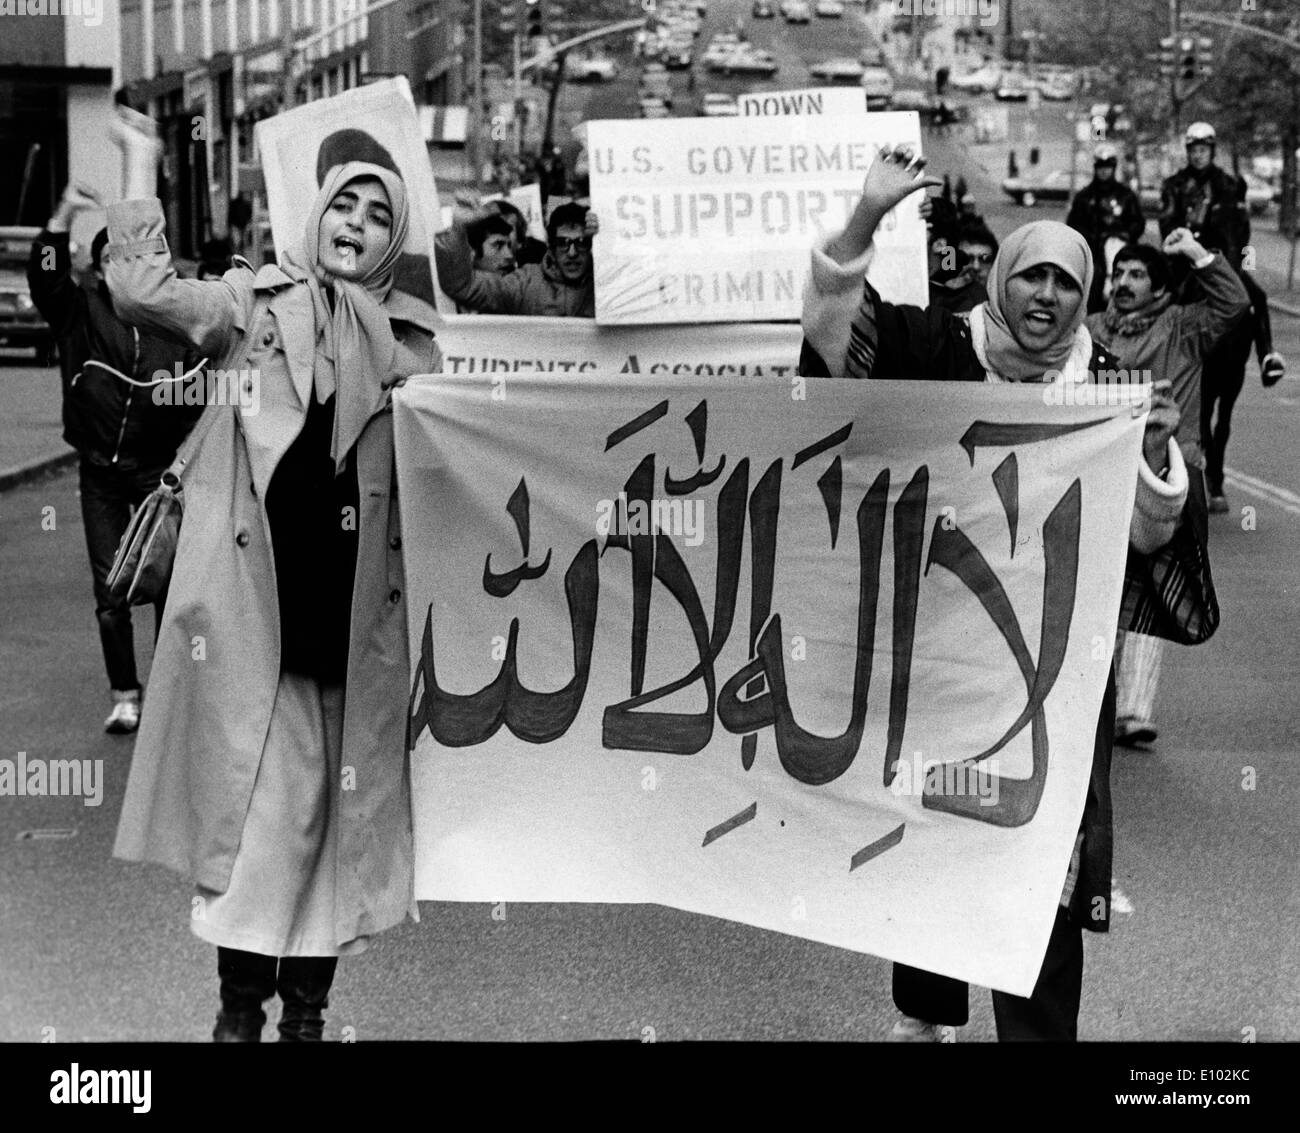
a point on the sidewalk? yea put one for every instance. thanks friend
(31, 440)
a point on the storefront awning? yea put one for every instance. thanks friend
(445, 125)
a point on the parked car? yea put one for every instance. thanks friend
(837, 71)
(879, 87)
(594, 70)
(1032, 187)
(749, 61)
(719, 105)
(1259, 193)
(21, 323)
(654, 107)
(829, 9)
(1056, 89)
(678, 53)
(983, 81)
(796, 12)
(762, 10)
(912, 99)
(1012, 88)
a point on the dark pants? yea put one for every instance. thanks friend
(1050, 1014)
(1224, 374)
(107, 496)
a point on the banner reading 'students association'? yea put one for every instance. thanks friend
(821, 657)
(710, 219)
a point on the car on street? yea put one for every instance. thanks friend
(911, 98)
(21, 323)
(837, 71)
(878, 84)
(983, 81)
(654, 107)
(717, 104)
(762, 10)
(678, 53)
(1012, 88)
(749, 61)
(1034, 187)
(829, 9)
(796, 12)
(593, 70)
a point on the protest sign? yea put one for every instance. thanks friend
(504, 344)
(816, 100)
(375, 123)
(704, 643)
(712, 219)
(528, 200)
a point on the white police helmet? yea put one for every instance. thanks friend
(1199, 132)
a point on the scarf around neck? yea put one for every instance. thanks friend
(1126, 324)
(1041, 242)
(355, 348)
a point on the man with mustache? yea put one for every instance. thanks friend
(1148, 332)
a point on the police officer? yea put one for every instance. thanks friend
(1105, 212)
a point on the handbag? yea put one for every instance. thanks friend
(1170, 592)
(142, 566)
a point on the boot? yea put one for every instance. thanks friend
(304, 984)
(247, 981)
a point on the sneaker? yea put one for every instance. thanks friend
(910, 1030)
(125, 716)
(1272, 369)
(1218, 502)
(1132, 732)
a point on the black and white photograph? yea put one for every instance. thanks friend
(446, 597)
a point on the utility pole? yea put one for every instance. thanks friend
(1176, 106)
(476, 108)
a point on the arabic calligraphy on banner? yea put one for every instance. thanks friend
(821, 657)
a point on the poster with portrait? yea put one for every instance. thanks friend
(375, 123)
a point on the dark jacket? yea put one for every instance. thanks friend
(106, 419)
(1212, 203)
(1102, 209)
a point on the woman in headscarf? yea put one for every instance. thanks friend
(1031, 329)
(271, 764)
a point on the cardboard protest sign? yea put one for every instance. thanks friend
(816, 100)
(504, 344)
(824, 658)
(712, 219)
(375, 123)
(528, 200)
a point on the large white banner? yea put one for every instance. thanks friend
(711, 219)
(504, 344)
(824, 657)
(375, 123)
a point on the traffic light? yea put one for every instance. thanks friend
(1187, 62)
(1205, 55)
(1167, 57)
(534, 19)
(509, 22)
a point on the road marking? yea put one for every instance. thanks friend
(1279, 497)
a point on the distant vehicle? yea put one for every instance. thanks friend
(652, 107)
(762, 10)
(1012, 88)
(1032, 188)
(913, 99)
(678, 53)
(653, 69)
(796, 12)
(596, 70)
(21, 323)
(837, 71)
(1259, 193)
(983, 81)
(749, 62)
(718, 105)
(1056, 88)
(655, 84)
(879, 87)
(829, 9)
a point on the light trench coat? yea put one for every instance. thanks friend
(217, 661)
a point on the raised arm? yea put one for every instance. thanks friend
(49, 270)
(478, 290)
(147, 292)
(1225, 302)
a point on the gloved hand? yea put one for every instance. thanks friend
(1272, 369)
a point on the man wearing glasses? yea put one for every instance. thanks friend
(560, 285)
